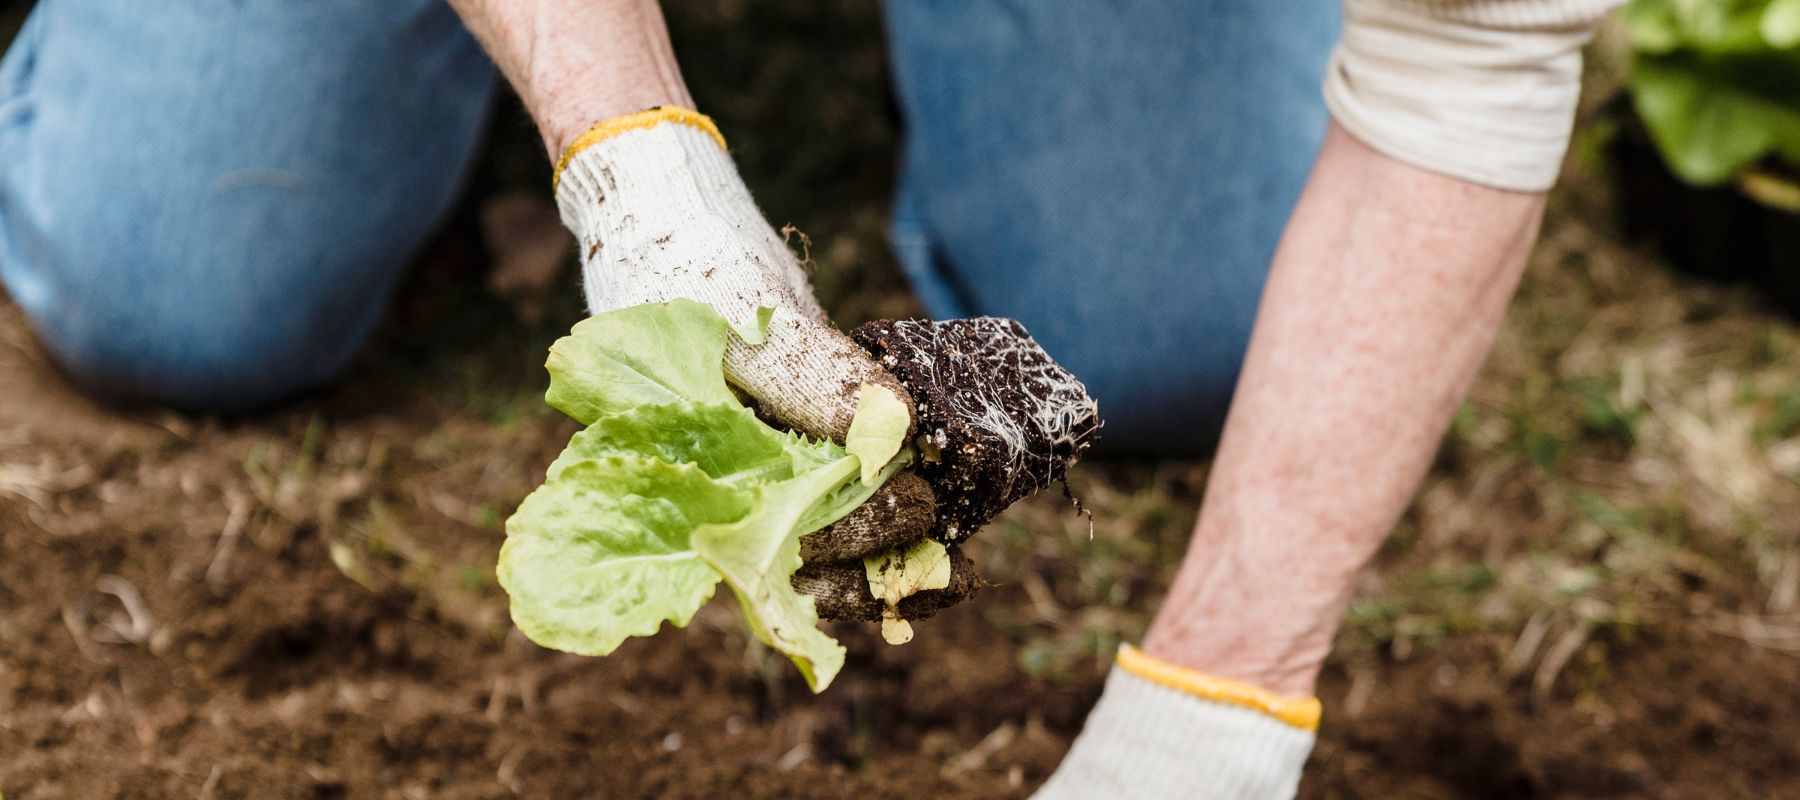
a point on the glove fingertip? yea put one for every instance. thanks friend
(901, 511)
(841, 591)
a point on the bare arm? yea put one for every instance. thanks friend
(1384, 297)
(577, 62)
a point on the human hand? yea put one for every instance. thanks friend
(901, 512)
(659, 212)
(1162, 730)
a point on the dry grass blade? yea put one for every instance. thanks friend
(137, 624)
(1525, 648)
(1780, 633)
(219, 570)
(1558, 657)
(977, 756)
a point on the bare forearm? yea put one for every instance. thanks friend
(1384, 298)
(577, 62)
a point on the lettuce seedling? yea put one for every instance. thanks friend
(674, 486)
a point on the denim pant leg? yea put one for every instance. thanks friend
(1114, 175)
(207, 203)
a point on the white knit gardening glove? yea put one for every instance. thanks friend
(659, 212)
(1161, 731)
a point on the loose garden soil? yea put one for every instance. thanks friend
(300, 604)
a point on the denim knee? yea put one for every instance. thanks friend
(209, 336)
(209, 207)
(1117, 182)
(176, 365)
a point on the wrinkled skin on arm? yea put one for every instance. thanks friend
(1386, 293)
(577, 62)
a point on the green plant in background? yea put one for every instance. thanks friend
(1717, 83)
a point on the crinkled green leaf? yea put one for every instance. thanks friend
(841, 500)
(602, 550)
(730, 445)
(878, 429)
(725, 440)
(652, 354)
(1717, 82)
(1708, 123)
(672, 487)
(758, 562)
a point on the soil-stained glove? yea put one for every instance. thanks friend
(998, 420)
(1162, 731)
(659, 212)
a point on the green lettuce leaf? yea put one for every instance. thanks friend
(601, 551)
(877, 429)
(725, 440)
(673, 487)
(644, 355)
(758, 566)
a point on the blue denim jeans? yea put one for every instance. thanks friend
(208, 204)
(1113, 175)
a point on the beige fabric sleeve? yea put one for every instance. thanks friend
(1482, 90)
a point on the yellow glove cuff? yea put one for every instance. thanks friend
(648, 118)
(1300, 712)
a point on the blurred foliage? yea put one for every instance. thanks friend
(1718, 83)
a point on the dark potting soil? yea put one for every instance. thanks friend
(270, 668)
(998, 419)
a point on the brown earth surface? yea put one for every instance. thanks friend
(1597, 594)
(300, 604)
